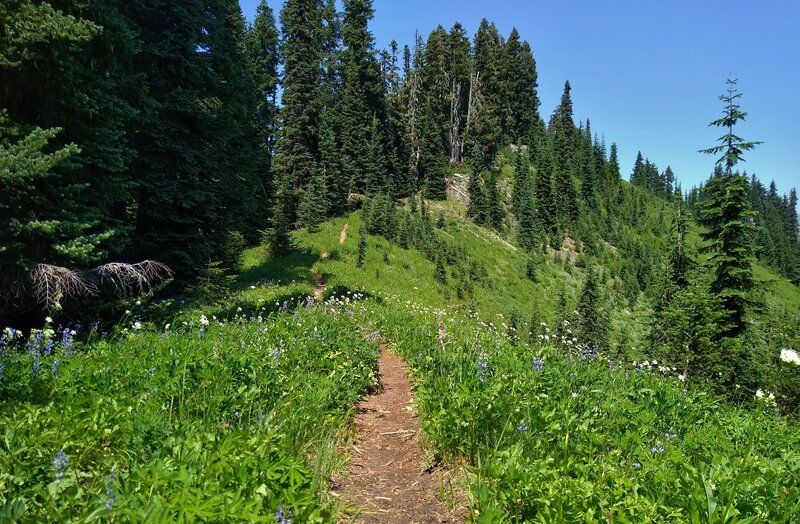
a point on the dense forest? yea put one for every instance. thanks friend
(178, 133)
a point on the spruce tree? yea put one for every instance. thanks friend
(726, 214)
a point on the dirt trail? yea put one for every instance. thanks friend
(386, 480)
(319, 285)
(343, 234)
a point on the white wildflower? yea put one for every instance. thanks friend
(48, 320)
(790, 356)
(137, 325)
(203, 320)
(682, 377)
(759, 393)
(138, 302)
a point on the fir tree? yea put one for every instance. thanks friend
(543, 193)
(362, 249)
(296, 151)
(592, 323)
(263, 55)
(362, 92)
(476, 209)
(726, 213)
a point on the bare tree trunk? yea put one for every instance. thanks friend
(455, 124)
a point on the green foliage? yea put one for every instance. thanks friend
(221, 415)
(554, 438)
(212, 284)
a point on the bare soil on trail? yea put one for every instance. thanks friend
(343, 234)
(386, 480)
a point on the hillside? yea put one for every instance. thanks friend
(262, 271)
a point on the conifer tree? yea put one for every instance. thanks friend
(592, 323)
(523, 202)
(518, 83)
(483, 129)
(263, 56)
(543, 193)
(476, 209)
(726, 213)
(457, 49)
(296, 151)
(362, 249)
(362, 91)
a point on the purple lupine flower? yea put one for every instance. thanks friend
(522, 426)
(538, 364)
(60, 463)
(110, 497)
(54, 367)
(483, 364)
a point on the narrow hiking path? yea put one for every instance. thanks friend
(387, 479)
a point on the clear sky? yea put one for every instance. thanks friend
(646, 72)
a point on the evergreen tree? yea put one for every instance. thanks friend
(362, 249)
(518, 83)
(483, 129)
(476, 209)
(296, 151)
(494, 202)
(545, 212)
(362, 92)
(263, 55)
(434, 118)
(592, 323)
(522, 200)
(457, 60)
(336, 181)
(726, 214)
(59, 70)
(679, 260)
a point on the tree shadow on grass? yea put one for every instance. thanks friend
(292, 267)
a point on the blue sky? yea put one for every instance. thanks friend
(647, 73)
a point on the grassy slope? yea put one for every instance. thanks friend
(712, 453)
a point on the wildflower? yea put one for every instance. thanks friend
(48, 320)
(2, 370)
(54, 367)
(538, 364)
(137, 325)
(138, 302)
(281, 516)
(790, 356)
(657, 449)
(759, 393)
(60, 463)
(637, 465)
(671, 436)
(682, 377)
(522, 426)
(111, 497)
(574, 395)
(203, 320)
(483, 364)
